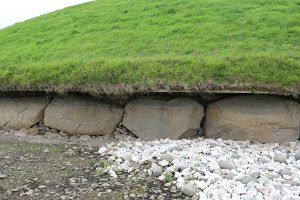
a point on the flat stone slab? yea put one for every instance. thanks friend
(21, 113)
(82, 116)
(151, 119)
(254, 118)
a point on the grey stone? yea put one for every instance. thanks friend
(19, 113)
(263, 160)
(230, 175)
(297, 156)
(255, 118)
(290, 182)
(82, 116)
(286, 172)
(235, 156)
(212, 144)
(255, 175)
(175, 148)
(3, 176)
(34, 131)
(248, 179)
(225, 165)
(160, 197)
(280, 158)
(189, 189)
(168, 157)
(156, 170)
(155, 119)
(278, 187)
(95, 185)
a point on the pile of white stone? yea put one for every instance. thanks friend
(213, 169)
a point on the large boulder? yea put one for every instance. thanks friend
(155, 119)
(254, 118)
(19, 113)
(82, 116)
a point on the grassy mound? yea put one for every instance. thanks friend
(113, 42)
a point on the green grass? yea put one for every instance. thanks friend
(111, 42)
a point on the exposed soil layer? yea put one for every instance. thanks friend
(127, 90)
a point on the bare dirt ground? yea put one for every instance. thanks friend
(31, 170)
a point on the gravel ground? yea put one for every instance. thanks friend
(39, 167)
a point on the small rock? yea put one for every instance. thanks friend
(286, 172)
(175, 148)
(230, 175)
(85, 138)
(225, 165)
(94, 185)
(102, 150)
(163, 163)
(248, 179)
(255, 175)
(112, 173)
(34, 131)
(290, 182)
(235, 156)
(213, 166)
(212, 144)
(8, 192)
(63, 134)
(3, 176)
(160, 197)
(156, 170)
(263, 160)
(168, 157)
(280, 158)
(46, 150)
(189, 189)
(297, 156)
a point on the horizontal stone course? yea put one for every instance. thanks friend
(153, 119)
(19, 113)
(82, 116)
(254, 118)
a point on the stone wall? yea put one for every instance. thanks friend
(255, 118)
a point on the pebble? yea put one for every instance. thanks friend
(280, 158)
(235, 156)
(189, 189)
(229, 170)
(230, 175)
(290, 182)
(34, 131)
(255, 175)
(297, 156)
(3, 176)
(160, 197)
(156, 170)
(263, 160)
(286, 172)
(168, 157)
(225, 165)
(213, 166)
(174, 148)
(248, 179)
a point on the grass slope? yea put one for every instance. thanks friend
(111, 42)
